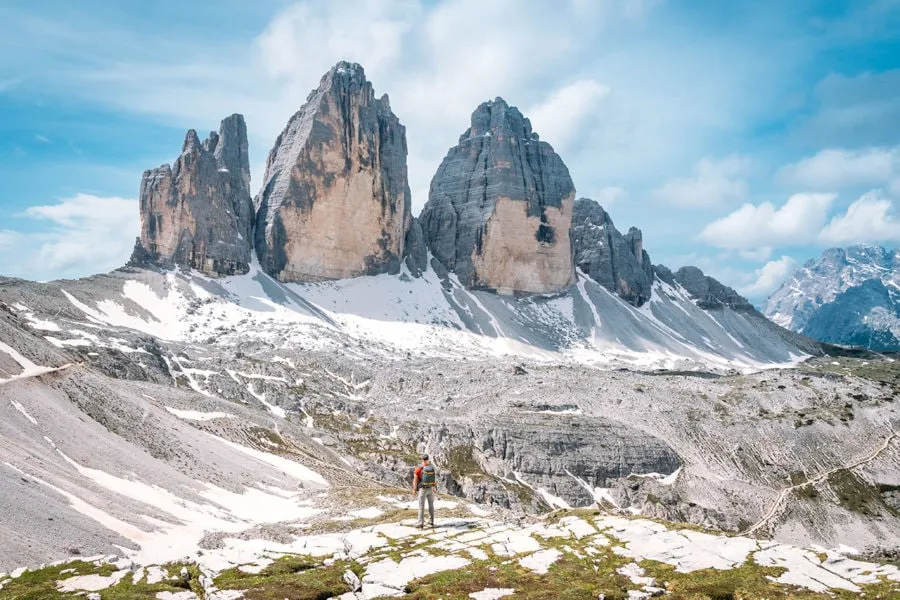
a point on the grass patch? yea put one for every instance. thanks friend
(856, 495)
(42, 584)
(748, 581)
(873, 368)
(570, 578)
(295, 577)
(461, 463)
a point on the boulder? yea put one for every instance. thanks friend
(197, 213)
(500, 207)
(335, 200)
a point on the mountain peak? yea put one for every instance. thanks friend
(198, 214)
(615, 261)
(499, 210)
(833, 297)
(335, 201)
(496, 117)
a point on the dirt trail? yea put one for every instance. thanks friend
(818, 479)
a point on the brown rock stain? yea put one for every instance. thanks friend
(343, 228)
(512, 258)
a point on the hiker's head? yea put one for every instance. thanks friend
(425, 459)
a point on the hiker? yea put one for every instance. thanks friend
(424, 481)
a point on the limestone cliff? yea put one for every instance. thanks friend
(335, 200)
(197, 213)
(707, 291)
(500, 207)
(617, 262)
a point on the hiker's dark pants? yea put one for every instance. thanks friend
(426, 493)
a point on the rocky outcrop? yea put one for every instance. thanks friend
(617, 262)
(335, 200)
(197, 213)
(708, 292)
(500, 207)
(415, 249)
(564, 454)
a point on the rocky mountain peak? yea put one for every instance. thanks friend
(496, 117)
(708, 292)
(500, 207)
(847, 296)
(197, 213)
(191, 142)
(615, 261)
(335, 200)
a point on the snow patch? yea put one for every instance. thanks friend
(540, 561)
(196, 415)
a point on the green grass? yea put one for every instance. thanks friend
(461, 463)
(749, 581)
(569, 578)
(874, 368)
(42, 584)
(295, 577)
(856, 495)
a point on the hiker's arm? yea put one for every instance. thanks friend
(415, 483)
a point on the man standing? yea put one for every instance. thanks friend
(424, 481)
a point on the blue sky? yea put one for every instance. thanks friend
(742, 137)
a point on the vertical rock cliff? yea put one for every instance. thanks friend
(617, 262)
(335, 200)
(197, 213)
(500, 207)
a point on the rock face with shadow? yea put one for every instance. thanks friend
(848, 296)
(335, 201)
(508, 459)
(197, 213)
(500, 207)
(617, 262)
(705, 290)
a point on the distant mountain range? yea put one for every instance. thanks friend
(849, 296)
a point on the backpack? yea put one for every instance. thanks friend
(429, 476)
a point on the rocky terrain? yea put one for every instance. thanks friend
(500, 207)
(849, 296)
(170, 421)
(197, 213)
(238, 412)
(335, 200)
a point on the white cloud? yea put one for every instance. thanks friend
(769, 277)
(715, 182)
(370, 32)
(837, 168)
(871, 218)
(561, 117)
(83, 234)
(608, 196)
(796, 223)
(438, 61)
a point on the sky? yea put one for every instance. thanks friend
(742, 137)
